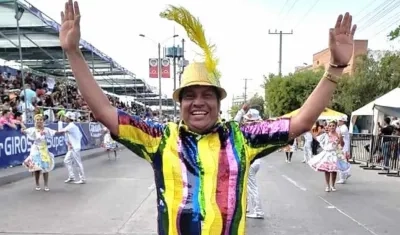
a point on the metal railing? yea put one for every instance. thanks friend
(377, 152)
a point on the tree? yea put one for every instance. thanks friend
(257, 102)
(374, 75)
(394, 33)
(234, 109)
(287, 93)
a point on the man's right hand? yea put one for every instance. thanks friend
(246, 107)
(70, 32)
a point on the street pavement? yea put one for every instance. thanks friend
(119, 198)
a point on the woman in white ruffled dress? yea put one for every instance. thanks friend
(109, 144)
(327, 160)
(40, 159)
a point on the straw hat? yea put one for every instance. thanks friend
(196, 74)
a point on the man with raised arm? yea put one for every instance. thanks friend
(201, 163)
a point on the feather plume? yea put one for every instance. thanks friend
(195, 32)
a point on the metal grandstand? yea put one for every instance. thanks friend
(23, 25)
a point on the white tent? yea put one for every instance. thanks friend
(366, 110)
(388, 104)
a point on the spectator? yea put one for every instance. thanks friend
(49, 97)
(6, 120)
(26, 109)
(29, 94)
(18, 122)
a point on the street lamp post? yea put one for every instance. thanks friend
(159, 67)
(19, 11)
(159, 81)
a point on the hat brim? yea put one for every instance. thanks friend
(252, 119)
(221, 91)
(71, 118)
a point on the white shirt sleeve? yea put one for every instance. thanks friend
(239, 115)
(68, 127)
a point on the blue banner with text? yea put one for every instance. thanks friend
(15, 146)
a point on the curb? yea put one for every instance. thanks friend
(8, 179)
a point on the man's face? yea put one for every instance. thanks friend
(199, 108)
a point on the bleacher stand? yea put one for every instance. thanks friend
(44, 95)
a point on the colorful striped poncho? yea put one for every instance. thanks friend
(201, 180)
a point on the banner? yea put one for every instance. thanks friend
(153, 68)
(15, 147)
(165, 68)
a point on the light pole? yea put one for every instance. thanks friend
(19, 11)
(159, 68)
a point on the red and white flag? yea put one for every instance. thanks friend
(165, 68)
(153, 68)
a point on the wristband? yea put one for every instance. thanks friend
(328, 76)
(338, 66)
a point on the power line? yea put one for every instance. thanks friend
(308, 12)
(391, 24)
(291, 7)
(283, 8)
(390, 20)
(381, 14)
(375, 10)
(367, 6)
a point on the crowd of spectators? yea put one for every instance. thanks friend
(44, 95)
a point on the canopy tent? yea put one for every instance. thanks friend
(327, 114)
(366, 110)
(386, 104)
(389, 103)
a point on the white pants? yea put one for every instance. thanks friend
(73, 160)
(344, 175)
(307, 152)
(253, 199)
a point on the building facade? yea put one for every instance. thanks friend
(321, 58)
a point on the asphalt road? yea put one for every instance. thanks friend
(119, 198)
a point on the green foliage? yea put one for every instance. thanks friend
(234, 109)
(287, 93)
(373, 77)
(394, 33)
(257, 102)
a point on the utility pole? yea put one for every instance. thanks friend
(245, 88)
(183, 61)
(280, 33)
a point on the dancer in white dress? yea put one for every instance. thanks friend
(109, 144)
(344, 132)
(40, 159)
(327, 160)
(308, 138)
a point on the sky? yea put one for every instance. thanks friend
(239, 28)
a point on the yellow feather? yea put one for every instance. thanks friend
(195, 32)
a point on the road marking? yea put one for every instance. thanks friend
(294, 183)
(348, 216)
(151, 187)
